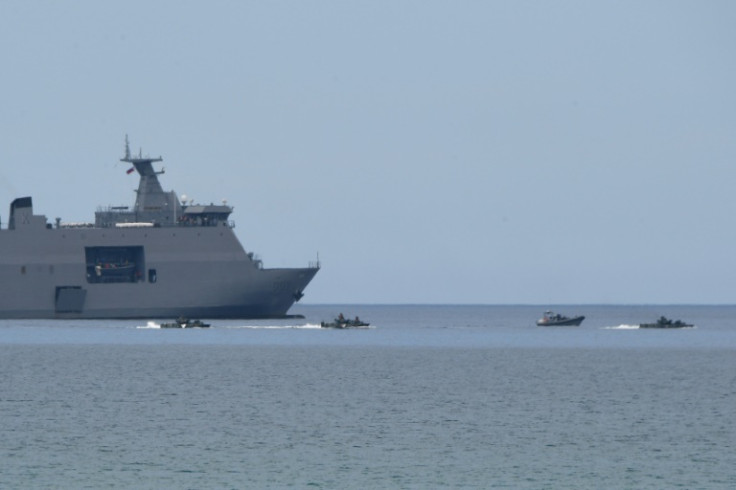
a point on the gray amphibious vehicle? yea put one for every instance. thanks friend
(160, 259)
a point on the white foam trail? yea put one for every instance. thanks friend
(150, 324)
(273, 327)
(623, 327)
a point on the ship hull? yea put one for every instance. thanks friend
(199, 272)
(567, 322)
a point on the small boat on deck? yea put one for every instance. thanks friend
(342, 322)
(551, 319)
(664, 322)
(183, 322)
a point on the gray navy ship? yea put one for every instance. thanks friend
(161, 259)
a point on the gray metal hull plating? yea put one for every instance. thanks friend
(200, 272)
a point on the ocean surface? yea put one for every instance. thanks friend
(428, 397)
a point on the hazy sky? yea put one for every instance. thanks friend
(428, 151)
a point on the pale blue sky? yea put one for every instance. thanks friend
(428, 151)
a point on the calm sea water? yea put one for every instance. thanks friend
(430, 397)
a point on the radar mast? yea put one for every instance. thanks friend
(151, 201)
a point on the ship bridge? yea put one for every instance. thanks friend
(156, 207)
(211, 215)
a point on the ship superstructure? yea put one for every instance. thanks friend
(163, 258)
